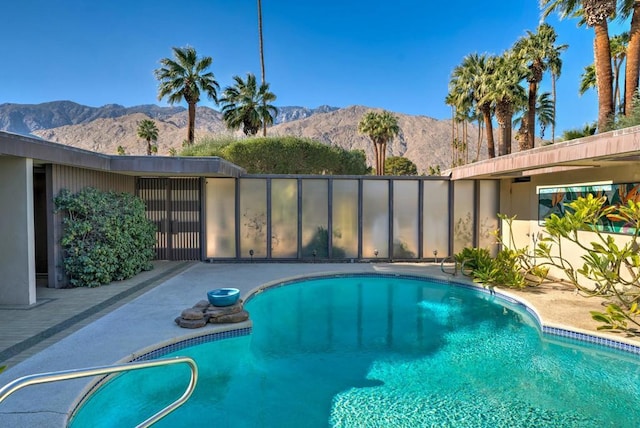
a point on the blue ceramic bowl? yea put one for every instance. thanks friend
(223, 296)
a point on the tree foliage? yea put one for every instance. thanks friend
(380, 127)
(283, 155)
(106, 238)
(610, 269)
(246, 106)
(398, 165)
(148, 131)
(185, 78)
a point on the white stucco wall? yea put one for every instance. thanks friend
(521, 199)
(17, 270)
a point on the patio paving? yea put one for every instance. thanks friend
(80, 328)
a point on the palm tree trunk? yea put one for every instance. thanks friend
(488, 126)
(192, 123)
(531, 116)
(264, 123)
(617, 104)
(479, 140)
(553, 94)
(148, 146)
(604, 75)
(633, 60)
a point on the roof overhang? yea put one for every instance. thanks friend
(46, 152)
(608, 149)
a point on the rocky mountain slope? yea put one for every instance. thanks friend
(424, 140)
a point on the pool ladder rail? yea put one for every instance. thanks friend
(40, 378)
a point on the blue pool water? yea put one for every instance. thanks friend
(368, 351)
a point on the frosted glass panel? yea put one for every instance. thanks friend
(463, 215)
(253, 217)
(345, 219)
(435, 220)
(375, 218)
(315, 213)
(405, 219)
(221, 217)
(284, 218)
(488, 210)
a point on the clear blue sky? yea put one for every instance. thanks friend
(396, 55)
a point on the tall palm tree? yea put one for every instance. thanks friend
(380, 128)
(247, 106)
(264, 77)
(148, 131)
(544, 112)
(555, 66)
(618, 54)
(595, 14)
(505, 91)
(470, 81)
(537, 51)
(631, 7)
(619, 45)
(184, 78)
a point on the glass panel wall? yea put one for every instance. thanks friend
(435, 219)
(375, 219)
(315, 216)
(405, 219)
(488, 211)
(220, 221)
(284, 218)
(463, 215)
(345, 219)
(253, 218)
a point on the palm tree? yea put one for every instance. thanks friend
(618, 54)
(380, 128)
(247, 106)
(631, 7)
(505, 91)
(185, 78)
(537, 51)
(148, 131)
(264, 123)
(595, 14)
(555, 66)
(588, 79)
(470, 81)
(619, 45)
(544, 113)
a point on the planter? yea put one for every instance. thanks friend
(223, 296)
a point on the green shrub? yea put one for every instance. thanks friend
(283, 155)
(106, 236)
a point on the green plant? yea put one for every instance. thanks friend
(512, 267)
(283, 155)
(106, 236)
(611, 269)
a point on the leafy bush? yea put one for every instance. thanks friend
(398, 165)
(283, 155)
(106, 236)
(611, 270)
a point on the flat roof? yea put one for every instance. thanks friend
(612, 148)
(44, 152)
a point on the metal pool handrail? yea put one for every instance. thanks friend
(40, 378)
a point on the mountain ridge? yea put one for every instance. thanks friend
(424, 140)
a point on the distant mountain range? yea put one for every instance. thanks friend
(424, 140)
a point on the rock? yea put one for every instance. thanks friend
(216, 311)
(191, 323)
(202, 305)
(230, 318)
(192, 314)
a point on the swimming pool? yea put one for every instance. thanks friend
(383, 351)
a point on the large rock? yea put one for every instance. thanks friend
(191, 323)
(230, 318)
(217, 311)
(192, 314)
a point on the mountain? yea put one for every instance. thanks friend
(424, 140)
